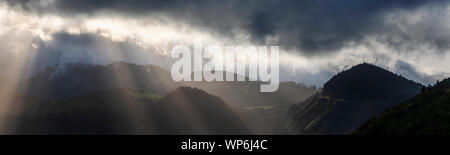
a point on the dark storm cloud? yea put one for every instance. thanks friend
(409, 71)
(311, 26)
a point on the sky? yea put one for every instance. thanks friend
(317, 38)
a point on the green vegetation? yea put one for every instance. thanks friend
(125, 111)
(426, 114)
(349, 99)
(264, 107)
(145, 96)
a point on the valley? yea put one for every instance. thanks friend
(142, 99)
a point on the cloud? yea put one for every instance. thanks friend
(92, 48)
(308, 26)
(25, 54)
(322, 37)
(410, 72)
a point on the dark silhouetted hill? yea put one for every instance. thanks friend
(369, 82)
(123, 111)
(263, 112)
(71, 80)
(260, 110)
(349, 99)
(426, 114)
(197, 112)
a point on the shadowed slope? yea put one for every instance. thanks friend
(199, 113)
(349, 99)
(426, 114)
(261, 111)
(183, 111)
(369, 82)
(71, 80)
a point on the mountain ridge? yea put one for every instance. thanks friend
(363, 76)
(426, 114)
(347, 101)
(124, 111)
(261, 110)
